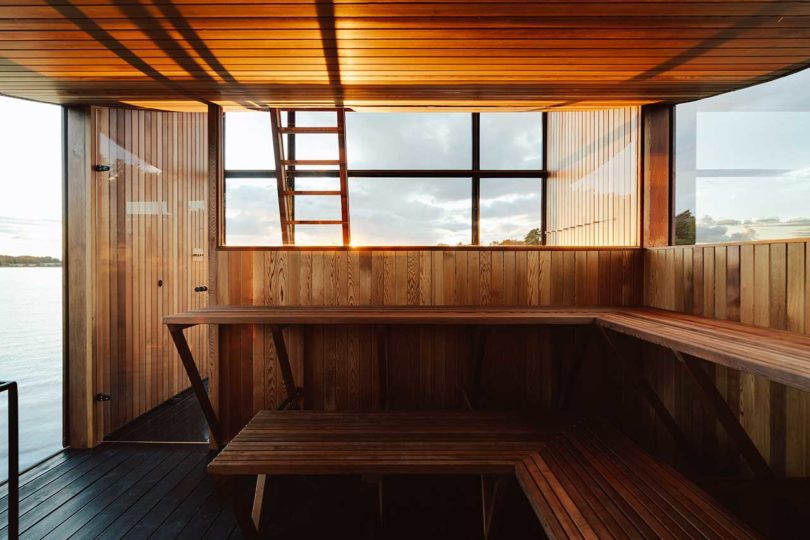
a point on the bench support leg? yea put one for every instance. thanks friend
(492, 495)
(258, 501)
(229, 488)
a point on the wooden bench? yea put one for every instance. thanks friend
(372, 444)
(593, 483)
(473, 443)
(441, 442)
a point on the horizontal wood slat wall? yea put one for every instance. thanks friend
(150, 226)
(765, 284)
(338, 366)
(593, 182)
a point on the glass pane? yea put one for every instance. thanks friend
(314, 146)
(304, 183)
(317, 207)
(410, 211)
(409, 140)
(512, 141)
(251, 212)
(743, 164)
(311, 119)
(511, 211)
(248, 142)
(318, 235)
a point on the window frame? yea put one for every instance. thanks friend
(475, 173)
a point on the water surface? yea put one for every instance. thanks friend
(31, 354)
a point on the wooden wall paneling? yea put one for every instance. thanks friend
(80, 295)
(656, 177)
(761, 283)
(427, 365)
(593, 183)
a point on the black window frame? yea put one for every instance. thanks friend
(475, 173)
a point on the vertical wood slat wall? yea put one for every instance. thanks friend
(339, 367)
(764, 284)
(593, 183)
(150, 225)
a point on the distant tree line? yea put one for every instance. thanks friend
(532, 238)
(28, 260)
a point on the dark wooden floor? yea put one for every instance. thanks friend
(126, 489)
(123, 490)
(137, 490)
(178, 420)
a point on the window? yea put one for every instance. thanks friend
(410, 211)
(414, 179)
(743, 164)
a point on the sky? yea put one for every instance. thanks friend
(743, 162)
(30, 178)
(390, 211)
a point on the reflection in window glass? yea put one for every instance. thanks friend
(408, 140)
(511, 211)
(743, 164)
(410, 211)
(248, 142)
(251, 212)
(512, 141)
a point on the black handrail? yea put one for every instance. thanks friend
(13, 460)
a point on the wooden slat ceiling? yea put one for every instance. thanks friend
(395, 53)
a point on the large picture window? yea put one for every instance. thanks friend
(412, 179)
(743, 164)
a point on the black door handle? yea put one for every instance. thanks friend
(201, 288)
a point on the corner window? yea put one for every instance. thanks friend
(743, 164)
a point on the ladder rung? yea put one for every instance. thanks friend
(308, 130)
(310, 161)
(314, 222)
(311, 192)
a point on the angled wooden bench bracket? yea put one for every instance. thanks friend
(179, 338)
(570, 379)
(661, 410)
(478, 343)
(759, 466)
(294, 393)
(381, 334)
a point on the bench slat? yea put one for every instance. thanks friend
(620, 490)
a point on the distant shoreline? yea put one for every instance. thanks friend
(28, 261)
(54, 265)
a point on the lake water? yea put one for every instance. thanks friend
(31, 354)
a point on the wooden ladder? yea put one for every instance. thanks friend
(286, 171)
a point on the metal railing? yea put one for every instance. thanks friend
(13, 460)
